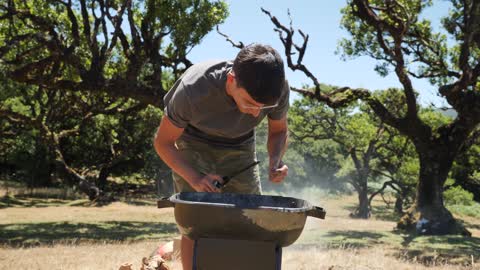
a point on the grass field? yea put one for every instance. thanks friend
(64, 234)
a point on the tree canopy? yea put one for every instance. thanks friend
(394, 33)
(83, 81)
(122, 48)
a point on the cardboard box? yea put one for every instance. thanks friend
(221, 254)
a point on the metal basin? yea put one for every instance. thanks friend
(241, 216)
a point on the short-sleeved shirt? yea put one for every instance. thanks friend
(199, 103)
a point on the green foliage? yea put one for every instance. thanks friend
(424, 50)
(333, 138)
(318, 130)
(454, 25)
(458, 196)
(90, 127)
(295, 162)
(434, 118)
(395, 34)
(472, 210)
(393, 99)
(166, 26)
(466, 169)
(308, 137)
(187, 20)
(117, 131)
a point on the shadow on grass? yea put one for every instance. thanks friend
(17, 201)
(353, 239)
(141, 202)
(379, 212)
(469, 225)
(428, 250)
(439, 249)
(33, 234)
(350, 208)
(10, 201)
(385, 213)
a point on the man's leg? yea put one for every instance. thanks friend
(198, 156)
(186, 244)
(231, 160)
(186, 252)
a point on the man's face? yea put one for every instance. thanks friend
(245, 103)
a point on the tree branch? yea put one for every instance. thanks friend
(238, 45)
(384, 186)
(397, 30)
(288, 43)
(337, 98)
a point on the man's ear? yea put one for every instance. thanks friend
(230, 77)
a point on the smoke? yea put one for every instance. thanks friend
(313, 194)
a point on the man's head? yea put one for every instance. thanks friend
(258, 70)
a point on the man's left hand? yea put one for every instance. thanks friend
(277, 174)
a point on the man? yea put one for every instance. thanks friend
(208, 127)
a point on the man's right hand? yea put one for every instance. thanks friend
(205, 183)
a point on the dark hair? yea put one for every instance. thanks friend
(259, 69)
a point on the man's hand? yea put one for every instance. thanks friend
(278, 173)
(276, 145)
(205, 183)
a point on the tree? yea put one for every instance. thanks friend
(393, 33)
(396, 157)
(116, 47)
(68, 62)
(366, 145)
(321, 157)
(68, 132)
(466, 169)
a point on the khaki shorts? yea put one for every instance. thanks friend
(207, 159)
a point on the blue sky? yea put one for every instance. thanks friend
(320, 19)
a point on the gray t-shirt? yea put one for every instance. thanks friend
(198, 102)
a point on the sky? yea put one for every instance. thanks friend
(320, 19)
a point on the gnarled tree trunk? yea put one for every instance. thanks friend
(363, 210)
(429, 216)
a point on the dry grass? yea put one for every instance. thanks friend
(376, 258)
(337, 242)
(76, 257)
(34, 226)
(18, 190)
(111, 256)
(117, 211)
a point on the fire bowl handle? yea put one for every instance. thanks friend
(165, 203)
(317, 212)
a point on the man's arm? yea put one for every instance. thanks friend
(164, 144)
(277, 144)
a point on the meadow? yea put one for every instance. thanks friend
(42, 232)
